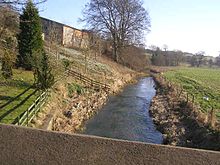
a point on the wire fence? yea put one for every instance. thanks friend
(208, 116)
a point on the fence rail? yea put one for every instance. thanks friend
(94, 84)
(25, 118)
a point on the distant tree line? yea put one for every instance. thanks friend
(164, 57)
(199, 59)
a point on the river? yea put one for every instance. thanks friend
(126, 116)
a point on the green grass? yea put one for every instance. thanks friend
(21, 81)
(74, 87)
(200, 82)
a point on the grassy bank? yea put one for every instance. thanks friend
(202, 83)
(16, 95)
(180, 122)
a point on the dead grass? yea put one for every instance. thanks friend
(87, 104)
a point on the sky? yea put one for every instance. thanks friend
(187, 25)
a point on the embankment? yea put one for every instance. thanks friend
(179, 122)
(67, 112)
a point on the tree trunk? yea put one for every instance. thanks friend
(115, 50)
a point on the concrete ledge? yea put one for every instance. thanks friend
(29, 146)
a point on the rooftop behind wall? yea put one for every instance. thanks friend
(28, 146)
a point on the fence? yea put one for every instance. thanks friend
(92, 83)
(183, 95)
(26, 117)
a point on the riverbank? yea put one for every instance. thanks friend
(179, 123)
(72, 102)
(84, 106)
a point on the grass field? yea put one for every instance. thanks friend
(21, 84)
(200, 82)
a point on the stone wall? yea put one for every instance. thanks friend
(75, 38)
(52, 31)
(64, 35)
(28, 146)
(68, 36)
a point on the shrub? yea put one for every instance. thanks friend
(66, 63)
(74, 88)
(44, 79)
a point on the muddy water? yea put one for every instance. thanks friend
(126, 116)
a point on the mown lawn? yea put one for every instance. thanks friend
(203, 83)
(9, 89)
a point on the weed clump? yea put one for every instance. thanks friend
(72, 88)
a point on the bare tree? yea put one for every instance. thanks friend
(8, 22)
(124, 21)
(178, 57)
(200, 57)
(18, 2)
(210, 63)
(197, 59)
(53, 39)
(96, 44)
(218, 61)
(165, 47)
(8, 30)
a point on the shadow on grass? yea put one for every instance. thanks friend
(15, 83)
(14, 98)
(6, 98)
(17, 106)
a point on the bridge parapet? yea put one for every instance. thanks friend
(29, 146)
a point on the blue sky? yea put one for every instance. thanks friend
(187, 25)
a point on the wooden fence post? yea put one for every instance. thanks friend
(181, 90)
(187, 97)
(91, 83)
(35, 108)
(27, 116)
(193, 101)
(212, 118)
(19, 120)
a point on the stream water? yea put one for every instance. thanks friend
(126, 116)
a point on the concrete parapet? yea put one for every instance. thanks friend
(29, 146)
